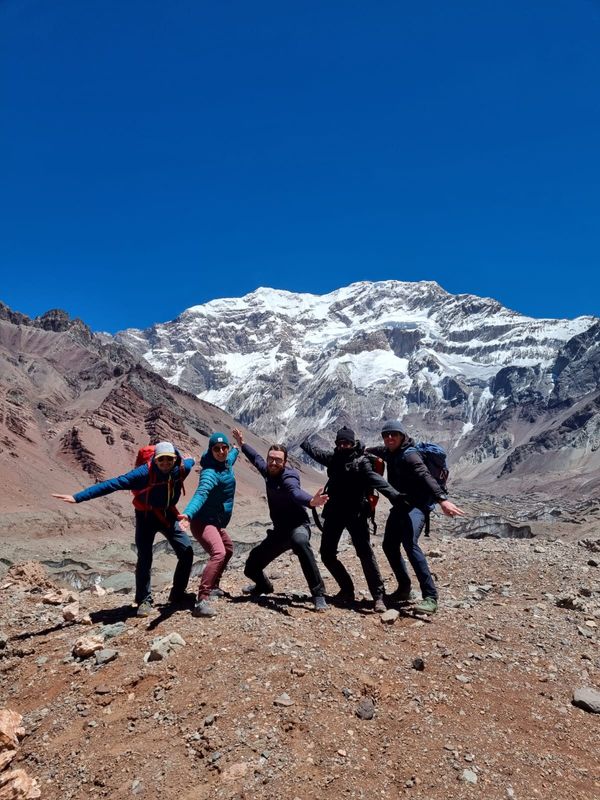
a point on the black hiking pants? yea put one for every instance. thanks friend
(358, 527)
(147, 525)
(278, 541)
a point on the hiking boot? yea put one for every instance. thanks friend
(343, 598)
(258, 588)
(203, 609)
(144, 609)
(217, 592)
(379, 606)
(402, 596)
(181, 598)
(428, 605)
(320, 603)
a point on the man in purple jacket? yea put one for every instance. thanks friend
(291, 530)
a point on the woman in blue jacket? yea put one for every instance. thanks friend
(157, 487)
(209, 512)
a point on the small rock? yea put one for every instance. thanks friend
(85, 646)
(283, 700)
(365, 709)
(18, 785)
(110, 631)
(418, 664)
(468, 776)
(587, 632)
(137, 787)
(105, 656)
(390, 616)
(593, 562)
(165, 646)
(588, 699)
(463, 678)
(11, 729)
(97, 591)
(71, 612)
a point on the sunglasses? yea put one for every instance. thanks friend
(390, 434)
(220, 448)
(272, 460)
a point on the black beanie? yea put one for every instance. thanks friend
(345, 435)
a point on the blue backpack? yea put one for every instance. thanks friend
(436, 461)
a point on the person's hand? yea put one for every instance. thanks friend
(184, 521)
(319, 498)
(450, 510)
(237, 435)
(66, 498)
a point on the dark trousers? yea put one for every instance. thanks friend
(147, 525)
(278, 541)
(358, 528)
(403, 528)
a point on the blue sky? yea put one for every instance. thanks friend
(158, 155)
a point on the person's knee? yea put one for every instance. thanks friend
(186, 555)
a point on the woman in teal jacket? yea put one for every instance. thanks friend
(209, 512)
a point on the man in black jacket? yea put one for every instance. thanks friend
(407, 472)
(350, 479)
(291, 530)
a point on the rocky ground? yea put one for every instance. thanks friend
(272, 700)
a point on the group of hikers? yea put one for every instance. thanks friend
(412, 490)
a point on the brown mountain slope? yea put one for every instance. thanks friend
(74, 411)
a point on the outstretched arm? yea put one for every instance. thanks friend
(375, 481)
(135, 479)
(317, 453)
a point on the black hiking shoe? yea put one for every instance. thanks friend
(402, 596)
(344, 599)
(182, 598)
(256, 589)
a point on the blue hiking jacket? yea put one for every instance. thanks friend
(212, 502)
(164, 493)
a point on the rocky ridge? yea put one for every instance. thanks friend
(509, 396)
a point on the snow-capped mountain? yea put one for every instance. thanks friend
(459, 369)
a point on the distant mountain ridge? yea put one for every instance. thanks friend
(498, 388)
(75, 410)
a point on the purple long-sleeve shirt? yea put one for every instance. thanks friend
(286, 498)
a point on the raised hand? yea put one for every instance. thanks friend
(237, 435)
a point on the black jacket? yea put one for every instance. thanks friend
(350, 480)
(408, 474)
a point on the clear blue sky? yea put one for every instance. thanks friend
(156, 154)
